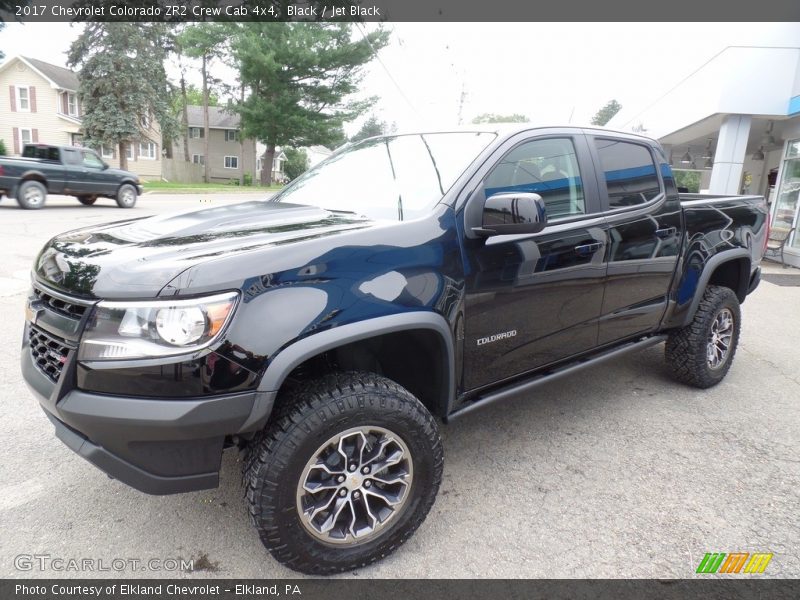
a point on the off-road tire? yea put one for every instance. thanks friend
(275, 461)
(686, 349)
(87, 200)
(126, 196)
(31, 195)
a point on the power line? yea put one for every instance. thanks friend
(697, 70)
(388, 73)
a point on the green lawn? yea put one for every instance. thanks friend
(208, 188)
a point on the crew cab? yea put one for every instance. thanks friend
(405, 281)
(67, 170)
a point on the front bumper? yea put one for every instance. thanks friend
(158, 446)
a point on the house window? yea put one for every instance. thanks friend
(258, 164)
(72, 105)
(195, 133)
(129, 151)
(231, 135)
(26, 136)
(198, 159)
(23, 99)
(147, 150)
(107, 151)
(231, 162)
(144, 121)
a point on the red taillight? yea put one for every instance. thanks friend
(1, 171)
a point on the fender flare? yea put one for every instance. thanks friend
(708, 269)
(290, 357)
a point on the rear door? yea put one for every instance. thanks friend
(643, 213)
(534, 299)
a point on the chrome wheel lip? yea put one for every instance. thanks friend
(357, 491)
(720, 338)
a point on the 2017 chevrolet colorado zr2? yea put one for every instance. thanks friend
(406, 278)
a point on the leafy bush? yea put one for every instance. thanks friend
(2, 148)
(248, 179)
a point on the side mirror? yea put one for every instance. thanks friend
(512, 213)
(105, 166)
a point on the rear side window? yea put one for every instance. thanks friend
(630, 172)
(72, 157)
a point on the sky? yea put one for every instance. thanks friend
(555, 73)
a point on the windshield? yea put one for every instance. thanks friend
(397, 177)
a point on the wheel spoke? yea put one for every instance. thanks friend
(330, 522)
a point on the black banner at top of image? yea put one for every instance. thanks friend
(401, 10)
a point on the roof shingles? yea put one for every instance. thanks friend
(63, 78)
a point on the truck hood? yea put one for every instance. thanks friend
(138, 257)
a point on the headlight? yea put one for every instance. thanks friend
(150, 329)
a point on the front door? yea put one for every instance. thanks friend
(535, 299)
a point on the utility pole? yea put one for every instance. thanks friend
(461, 102)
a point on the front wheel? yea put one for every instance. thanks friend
(31, 195)
(701, 353)
(126, 196)
(344, 475)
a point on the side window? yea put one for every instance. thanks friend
(548, 167)
(71, 157)
(629, 171)
(90, 160)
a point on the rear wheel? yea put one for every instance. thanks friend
(344, 475)
(87, 200)
(31, 195)
(701, 353)
(126, 196)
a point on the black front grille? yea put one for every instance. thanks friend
(49, 352)
(60, 306)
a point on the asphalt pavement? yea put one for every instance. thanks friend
(614, 472)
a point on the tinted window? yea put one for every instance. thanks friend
(547, 167)
(630, 172)
(42, 152)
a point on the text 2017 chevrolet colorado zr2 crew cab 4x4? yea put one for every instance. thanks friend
(67, 170)
(405, 278)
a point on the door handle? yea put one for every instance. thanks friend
(587, 249)
(666, 232)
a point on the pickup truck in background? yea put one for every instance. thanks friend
(405, 279)
(67, 170)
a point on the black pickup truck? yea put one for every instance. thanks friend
(404, 279)
(67, 170)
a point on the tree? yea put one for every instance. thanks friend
(296, 162)
(605, 114)
(194, 96)
(493, 118)
(371, 127)
(300, 77)
(205, 41)
(123, 83)
(687, 179)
